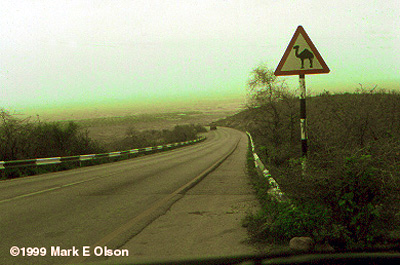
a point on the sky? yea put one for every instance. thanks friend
(82, 53)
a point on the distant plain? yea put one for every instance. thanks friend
(108, 125)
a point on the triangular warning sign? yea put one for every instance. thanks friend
(301, 57)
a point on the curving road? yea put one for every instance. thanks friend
(101, 205)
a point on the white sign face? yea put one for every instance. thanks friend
(301, 57)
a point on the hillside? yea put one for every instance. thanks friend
(360, 118)
(347, 191)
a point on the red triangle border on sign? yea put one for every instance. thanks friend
(324, 70)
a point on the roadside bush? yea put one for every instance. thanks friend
(363, 200)
(26, 139)
(290, 221)
(352, 207)
(356, 195)
(138, 139)
(199, 128)
(279, 221)
(181, 133)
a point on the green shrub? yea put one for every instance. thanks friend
(358, 200)
(280, 221)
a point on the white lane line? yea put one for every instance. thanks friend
(59, 187)
(47, 190)
(78, 182)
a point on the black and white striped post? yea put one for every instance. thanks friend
(303, 118)
(303, 123)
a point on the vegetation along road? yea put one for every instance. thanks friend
(104, 205)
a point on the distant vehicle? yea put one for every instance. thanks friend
(213, 127)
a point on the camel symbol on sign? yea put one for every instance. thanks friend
(305, 54)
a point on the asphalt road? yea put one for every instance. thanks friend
(100, 205)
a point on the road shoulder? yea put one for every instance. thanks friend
(206, 222)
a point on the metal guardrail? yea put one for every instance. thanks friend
(274, 190)
(80, 158)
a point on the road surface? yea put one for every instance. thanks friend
(106, 205)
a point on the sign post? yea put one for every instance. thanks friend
(303, 125)
(301, 58)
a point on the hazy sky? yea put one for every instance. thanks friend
(86, 52)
